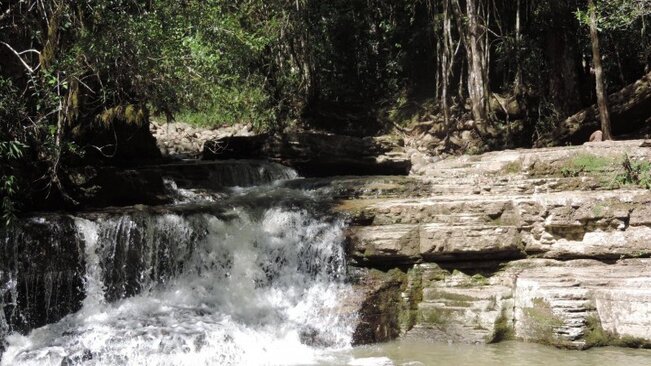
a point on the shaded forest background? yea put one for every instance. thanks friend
(79, 80)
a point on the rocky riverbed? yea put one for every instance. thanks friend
(551, 245)
(543, 245)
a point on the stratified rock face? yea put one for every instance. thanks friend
(542, 245)
(461, 308)
(600, 225)
(317, 154)
(576, 295)
(537, 300)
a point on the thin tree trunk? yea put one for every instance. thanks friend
(475, 55)
(602, 101)
(517, 85)
(445, 66)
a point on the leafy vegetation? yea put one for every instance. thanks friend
(542, 322)
(636, 173)
(503, 331)
(586, 163)
(10, 151)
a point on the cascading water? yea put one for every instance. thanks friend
(251, 284)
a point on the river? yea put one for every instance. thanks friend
(512, 353)
(248, 276)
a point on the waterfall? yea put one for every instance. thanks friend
(216, 175)
(255, 282)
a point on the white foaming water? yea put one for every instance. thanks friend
(183, 195)
(253, 290)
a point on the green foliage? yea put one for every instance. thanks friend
(10, 151)
(542, 322)
(586, 163)
(636, 173)
(613, 14)
(349, 66)
(595, 335)
(194, 56)
(248, 103)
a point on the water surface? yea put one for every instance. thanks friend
(416, 353)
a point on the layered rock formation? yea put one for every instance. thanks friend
(546, 245)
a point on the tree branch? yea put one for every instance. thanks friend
(18, 54)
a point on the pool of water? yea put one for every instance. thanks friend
(416, 353)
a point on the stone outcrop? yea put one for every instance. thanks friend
(39, 272)
(182, 140)
(573, 304)
(547, 245)
(317, 154)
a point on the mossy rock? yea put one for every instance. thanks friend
(596, 336)
(435, 316)
(542, 323)
(503, 329)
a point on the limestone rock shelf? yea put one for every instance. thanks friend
(546, 245)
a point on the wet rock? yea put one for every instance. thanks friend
(46, 258)
(567, 304)
(378, 302)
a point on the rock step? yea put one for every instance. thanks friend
(572, 208)
(603, 225)
(471, 323)
(529, 160)
(433, 242)
(514, 185)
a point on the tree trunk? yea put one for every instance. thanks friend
(517, 84)
(477, 82)
(602, 101)
(446, 65)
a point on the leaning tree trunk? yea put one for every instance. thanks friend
(602, 101)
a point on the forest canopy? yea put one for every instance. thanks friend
(72, 69)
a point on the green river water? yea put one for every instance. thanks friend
(414, 353)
